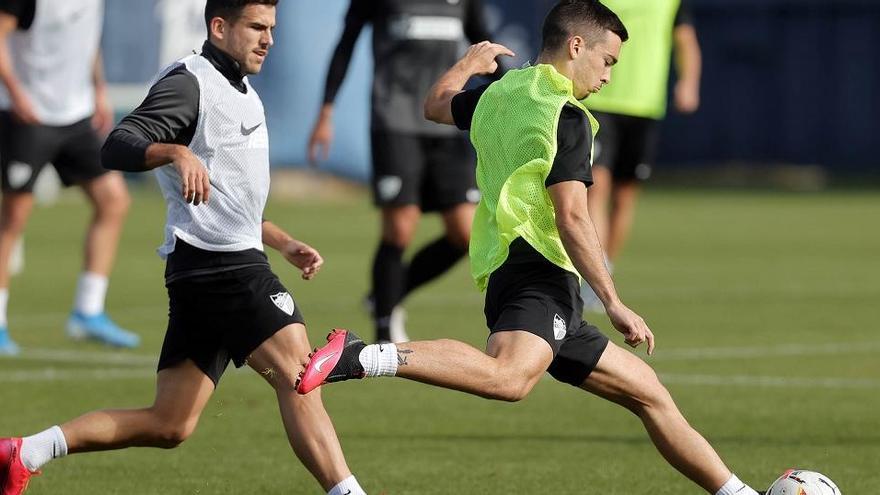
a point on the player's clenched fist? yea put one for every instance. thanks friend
(481, 57)
(193, 177)
(634, 329)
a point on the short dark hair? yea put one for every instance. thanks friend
(587, 18)
(230, 9)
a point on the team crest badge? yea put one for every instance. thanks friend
(284, 302)
(559, 327)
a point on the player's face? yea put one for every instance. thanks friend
(249, 38)
(593, 65)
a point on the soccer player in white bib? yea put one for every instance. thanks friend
(53, 106)
(202, 127)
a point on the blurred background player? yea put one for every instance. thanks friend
(418, 166)
(629, 111)
(55, 105)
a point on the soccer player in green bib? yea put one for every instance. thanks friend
(630, 110)
(531, 243)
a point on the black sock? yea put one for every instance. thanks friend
(389, 274)
(430, 262)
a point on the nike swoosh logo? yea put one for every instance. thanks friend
(323, 360)
(245, 131)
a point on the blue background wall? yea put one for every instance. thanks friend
(792, 81)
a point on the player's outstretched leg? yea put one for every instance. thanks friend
(623, 378)
(181, 394)
(309, 429)
(513, 363)
(110, 202)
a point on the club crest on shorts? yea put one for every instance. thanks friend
(559, 327)
(389, 187)
(284, 302)
(19, 173)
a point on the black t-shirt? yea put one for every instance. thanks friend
(414, 43)
(24, 10)
(574, 142)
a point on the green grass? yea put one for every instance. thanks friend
(791, 278)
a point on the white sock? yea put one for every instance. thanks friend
(4, 301)
(37, 450)
(735, 487)
(91, 290)
(379, 360)
(348, 486)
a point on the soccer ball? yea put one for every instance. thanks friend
(799, 482)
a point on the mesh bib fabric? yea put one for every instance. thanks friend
(514, 132)
(232, 141)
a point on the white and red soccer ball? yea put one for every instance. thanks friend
(800, 482)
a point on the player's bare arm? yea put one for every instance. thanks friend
(297, 253)
(322, 135)
(102, 121)
(581, 242)
(20, 103)
(689, 66)
(479, 60)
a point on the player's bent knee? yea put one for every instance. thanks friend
(509, 389)
(171, 436)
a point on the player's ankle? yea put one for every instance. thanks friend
(734, 486)
(379, 360)
(37, 450)
(348, 486)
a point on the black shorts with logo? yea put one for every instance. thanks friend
(74, 150)
(626, 145)
(435, 173)
(224, 316)
(544, 299)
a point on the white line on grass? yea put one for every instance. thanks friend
(59, 375)
(84, 357)
(769, 381)
(714, 353)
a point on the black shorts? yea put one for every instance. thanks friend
(626, 145)
(224, 316)
(74, 151)
(435, 173)
(544, 299)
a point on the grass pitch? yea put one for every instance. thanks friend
(765, 308)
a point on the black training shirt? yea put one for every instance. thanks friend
(414, 43)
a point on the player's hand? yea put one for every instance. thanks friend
(193, 177)
(321, 138)
(23, 109)
(304, 257)
(632, 326)
(480, 58)
(102, 121)
(687, 97)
